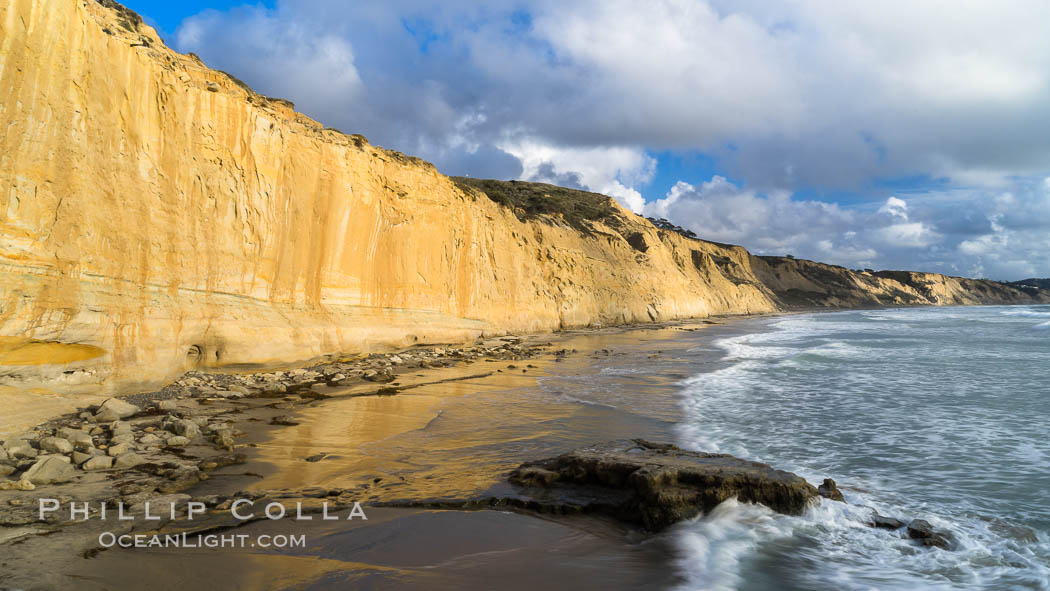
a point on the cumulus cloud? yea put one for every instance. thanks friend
(768, 224)
(937, 231)
(319, 66)
(811, 94)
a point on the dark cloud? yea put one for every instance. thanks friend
(547, 173)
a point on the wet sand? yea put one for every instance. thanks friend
(453, 439)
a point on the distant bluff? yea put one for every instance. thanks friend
(159, 216)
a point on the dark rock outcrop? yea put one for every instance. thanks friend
(829, 490)
(654, 485)
(883, 522)
(921, 530)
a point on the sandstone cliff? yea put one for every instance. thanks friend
(158, 216)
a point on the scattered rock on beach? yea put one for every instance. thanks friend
(17, 485)
(378, 377)
(56, 445)
(50, 470)
(167, 405)
(128, 460)
(115, 409)
(98, 463)
(223, 438)
(21, 449)
(80, 439)
(185, 427)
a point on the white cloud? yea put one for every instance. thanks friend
(775, 224)
(895, 207)
(608, 170)
(909, 234)
(956, 232)
(258, 47)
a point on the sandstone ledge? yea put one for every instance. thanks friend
(657, 485)
(644, 484)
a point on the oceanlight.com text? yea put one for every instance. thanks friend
(210, 541)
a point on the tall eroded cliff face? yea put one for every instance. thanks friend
(157, 216)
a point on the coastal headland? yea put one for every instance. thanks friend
(206, 295)
(162, 217)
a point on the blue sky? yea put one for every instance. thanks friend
(888, 135)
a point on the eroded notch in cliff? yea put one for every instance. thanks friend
(194, 355)
(637, 242)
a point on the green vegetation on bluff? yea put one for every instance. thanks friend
(532, 200)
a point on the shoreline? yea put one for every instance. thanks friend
(339, 439)
(58, 405)
(269, 464)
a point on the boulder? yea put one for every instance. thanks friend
(829, 490)
(150, 439)
(114, 409)
(378, 377)
(6, 470)
(883, 522)
(239, 389)
(275, 390)
(927, 535)
(185, 428)
(56, 445)
(653, 485)
(23, 451)
(50, 470)
(166, 404)
(127, 438)
(118, 449)
(98, 463)
(128, 460)
(223, 438)
(119, 428)
(17, 441)
(79, 439)
(178, 441)
(79, 457)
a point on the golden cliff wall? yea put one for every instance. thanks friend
(157, 216)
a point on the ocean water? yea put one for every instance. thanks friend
(934, 413)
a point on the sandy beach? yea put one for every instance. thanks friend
(447, 433)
